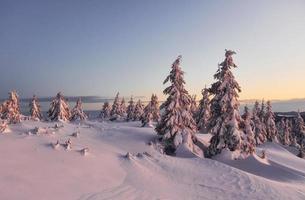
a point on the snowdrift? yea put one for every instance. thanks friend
(31, 169)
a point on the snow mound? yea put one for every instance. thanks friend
(32, 169)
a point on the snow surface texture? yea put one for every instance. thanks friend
(35, 167)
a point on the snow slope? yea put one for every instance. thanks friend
(31, 169)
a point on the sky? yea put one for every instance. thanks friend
(100, 47)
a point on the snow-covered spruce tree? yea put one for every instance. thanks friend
(299, 130)
(155, 108)
(248, 141)
(122, 110)
(280, 125)
(35, 109)
(115, 111)
(259, 126)
(138, 111)
(177, 126)
(59, 109)
(11, 108)
(270, 123)
(288, 136)
(262, 112)
(78, 112)
(105, 113)
(203, 114)
(225, 120)
(130, 110)
(194, 107)
(151, 112)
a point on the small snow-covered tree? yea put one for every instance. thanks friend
(270, 123)
(130, 110)
(177, 126)
(248, 141)
(299, 130)
(224, 123)
(203, 114)
(259, 125)
(122, 110)
(194, 107)
(105, 113)
(138, 111)
(151, 112)
(35, 109)
(115, 111)
(11, 108)
(59, 109)
(280, 125)
(78, 112)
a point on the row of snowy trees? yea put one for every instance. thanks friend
(135, 111)
(60, 110)
(220, 116)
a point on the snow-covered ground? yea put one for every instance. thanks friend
(30, 168)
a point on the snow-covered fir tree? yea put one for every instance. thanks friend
(262, 112)
(35, 109)
(177, 126)
(248, 141)
(259, 125)
(115, 111)
(203, 114)
(151, 112)
(122, 110)
(270, 123)
(194, 107)
(224, 123)
(299, 130)
(130, 110)
(59, 109)
(78, 112)
(281, 125)
(138, 111)
(11, 108)
(288, 135)
(105, 113)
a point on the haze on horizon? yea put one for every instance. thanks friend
(100, 47)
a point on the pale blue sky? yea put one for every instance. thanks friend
(99, 47)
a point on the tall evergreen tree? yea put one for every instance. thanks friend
(138, 111)
(299, 130)
(105, 113)
(78, 112)
(59, 109)
(177, 125)
(281, 129)
(203, 114)
(262, 112)
(115, 112)
(270, 123)
(151, 112)
(194, 107)
(130, 110)
(35, 109)
(122, 110)
(248, 141)
(11, 108)
(259, 125)
(224, 123)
